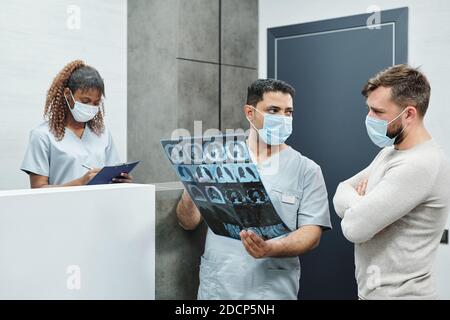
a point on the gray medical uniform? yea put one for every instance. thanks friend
(298, 193)
(61, 161)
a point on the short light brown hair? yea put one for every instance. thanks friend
(408, 86)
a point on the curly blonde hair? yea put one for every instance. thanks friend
(56, 108)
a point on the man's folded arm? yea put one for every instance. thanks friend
(402, 188)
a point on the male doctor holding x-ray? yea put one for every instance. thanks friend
(253, 268)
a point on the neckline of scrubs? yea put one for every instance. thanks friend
(267, 161)
(86, 128)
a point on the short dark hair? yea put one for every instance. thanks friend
(256, 90)
(408, 86)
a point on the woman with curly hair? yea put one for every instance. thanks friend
(73, 136)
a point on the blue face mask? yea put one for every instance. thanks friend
(377, 131)
(276, 129)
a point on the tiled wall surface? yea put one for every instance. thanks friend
(187, 60)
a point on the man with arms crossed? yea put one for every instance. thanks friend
(395, 210)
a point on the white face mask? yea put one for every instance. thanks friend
(82, 112)
(377, 130)
(276, 129)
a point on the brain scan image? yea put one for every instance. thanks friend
(176, 153)
(196, 193)
(196, 153)
(173, 158)
(213, 153)
(204, 174)
(225, 212)
(251, 173)
(234, 196)
(236, 151)
(214, 195)
(246, 172)
(224, 184)
(256, 196)
(185, 173)
(229, 173)
(219, 173)
(208, 173)
(241, 173)
(224, 174)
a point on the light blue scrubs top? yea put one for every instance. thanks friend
(61, 161)
(298, 192)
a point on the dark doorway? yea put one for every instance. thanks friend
(328, 62)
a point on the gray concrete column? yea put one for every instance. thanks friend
(188, 60)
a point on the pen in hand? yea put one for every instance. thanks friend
(85, 166)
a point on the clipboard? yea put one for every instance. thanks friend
(106, 175)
